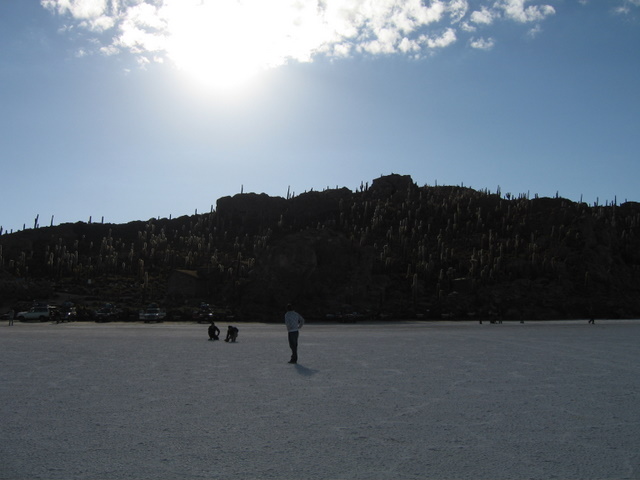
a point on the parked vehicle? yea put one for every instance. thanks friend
(108, 313)
(203, 314)
(153, 313)
(67, 312)
(352, 317)
(40, 312)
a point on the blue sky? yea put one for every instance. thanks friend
(132, 109)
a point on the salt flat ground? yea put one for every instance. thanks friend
(376, 401)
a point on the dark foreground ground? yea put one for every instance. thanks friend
(379, 401)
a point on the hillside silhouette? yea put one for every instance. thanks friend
(388, 250)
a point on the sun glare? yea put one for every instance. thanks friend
(221, 44)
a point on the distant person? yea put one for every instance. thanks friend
(11, 315)
(232, 334)
(294, 322)
(214, 332)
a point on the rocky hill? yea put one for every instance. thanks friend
(392, 249)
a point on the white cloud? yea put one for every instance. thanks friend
(482, 43)
(245, 36)
(80, 9)
(384, 42)
(341, 50)
(483, 16)
(109, 50)
(444, 40)
(467, 27)
(141, 30)
(99, 24)
(457, 10)
(518, 11)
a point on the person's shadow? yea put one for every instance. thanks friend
(307, 372)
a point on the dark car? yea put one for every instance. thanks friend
(67, 313)
(203, 314)
(152, 314)
(108, 313)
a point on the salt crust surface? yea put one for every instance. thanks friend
(367, 401)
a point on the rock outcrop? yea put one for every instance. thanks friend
(389, 249)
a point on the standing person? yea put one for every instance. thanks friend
(294, 322)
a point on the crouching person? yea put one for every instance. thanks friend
(232, 334)
(214, 332)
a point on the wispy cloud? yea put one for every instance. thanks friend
(628, 6)
(259, 34)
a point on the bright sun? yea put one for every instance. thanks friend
(223, 44)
